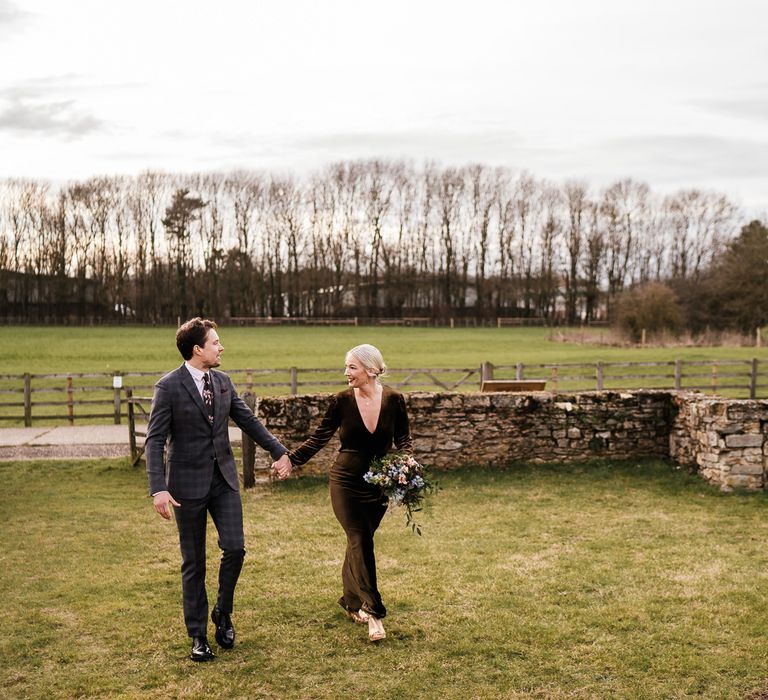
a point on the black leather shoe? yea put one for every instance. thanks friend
(225, 632)
(200, 650)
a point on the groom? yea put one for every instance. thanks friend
(191, 409)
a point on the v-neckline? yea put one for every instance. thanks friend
(360, 413)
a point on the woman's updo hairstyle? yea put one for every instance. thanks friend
(370, 357)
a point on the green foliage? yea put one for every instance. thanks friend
(652, 307)
(183, 210)
(594, 581)
(404, 482)
(733, 292)
(740, 279)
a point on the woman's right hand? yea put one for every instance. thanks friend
(282, 467)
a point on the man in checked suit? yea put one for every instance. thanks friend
(191, 409)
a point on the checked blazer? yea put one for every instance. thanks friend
(180, 417)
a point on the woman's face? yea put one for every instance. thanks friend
(355, 372)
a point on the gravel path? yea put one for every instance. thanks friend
(26, 452)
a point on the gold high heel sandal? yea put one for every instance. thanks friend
(359, 616)
(375, 629)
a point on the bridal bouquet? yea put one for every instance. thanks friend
(403, 481)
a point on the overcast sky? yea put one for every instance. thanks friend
(672, 92)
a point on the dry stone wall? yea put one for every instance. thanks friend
(726, 441)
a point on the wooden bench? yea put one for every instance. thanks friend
(488, 385)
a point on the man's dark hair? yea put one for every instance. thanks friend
(193, 332)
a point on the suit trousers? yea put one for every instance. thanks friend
(226, 509)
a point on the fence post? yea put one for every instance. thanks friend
(249, 448)
(678, 375)
(131, 424)
(714, 377)
(117, 383)
(249, 379)
(553, 379)
(753, 379)
(294, 381)
(519, 371)
(486, 371)
(27, 399)
(70, 402)
(599, 375)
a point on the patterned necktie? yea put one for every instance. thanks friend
(208, 396)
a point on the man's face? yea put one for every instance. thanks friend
(210, 353)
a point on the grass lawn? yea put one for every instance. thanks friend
(39, 349)
(626, 580)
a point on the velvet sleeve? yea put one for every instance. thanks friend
(245, 419)
(319, 439)
(402, 435)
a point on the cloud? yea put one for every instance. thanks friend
(10, 14)
(690, 157)
(35, 109)
(737, 167)
(491, 146)
(753, 107)
(54, 118)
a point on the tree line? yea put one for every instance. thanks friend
(364, 238)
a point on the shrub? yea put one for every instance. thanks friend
(652, 306)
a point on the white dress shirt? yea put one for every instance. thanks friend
(197, 375)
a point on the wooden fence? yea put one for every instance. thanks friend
(100, 397)
(422, 321)
(734, 378)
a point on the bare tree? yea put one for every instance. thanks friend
(699, 223)
(287, 200)
(144, 202)
(342, 238)
(118, 256)
(576, 199)
(377, 188)
(594, 258)
(245, 290)
(527, 211)
(367, 237)
(549, 257)
(449, 200)
(211, 241)
(623, 210)
(398, 253)
(482, 187)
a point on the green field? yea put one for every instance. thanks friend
(62, 350)
(626, 580)
(108, 349)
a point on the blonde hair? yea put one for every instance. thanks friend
(370, 358)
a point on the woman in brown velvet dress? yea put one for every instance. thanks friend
(370, 418)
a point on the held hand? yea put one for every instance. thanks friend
(161, 500)
(282, 467)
